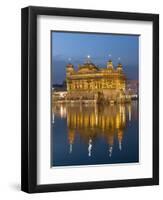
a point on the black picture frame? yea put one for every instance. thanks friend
(29, 98)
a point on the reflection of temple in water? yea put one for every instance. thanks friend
(94, 121)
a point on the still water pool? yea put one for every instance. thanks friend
(92, 134)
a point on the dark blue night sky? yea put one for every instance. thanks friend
(77, 46)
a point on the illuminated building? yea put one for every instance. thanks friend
(90, 82)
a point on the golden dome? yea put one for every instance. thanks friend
(88, 67)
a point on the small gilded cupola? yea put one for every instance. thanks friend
(110, 65)
(69, 67)
(119, 67)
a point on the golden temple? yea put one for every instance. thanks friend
(90, 82)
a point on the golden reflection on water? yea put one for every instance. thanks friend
(96, 121)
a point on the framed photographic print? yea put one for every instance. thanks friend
(90, 99)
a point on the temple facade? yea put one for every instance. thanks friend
(90, 82)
